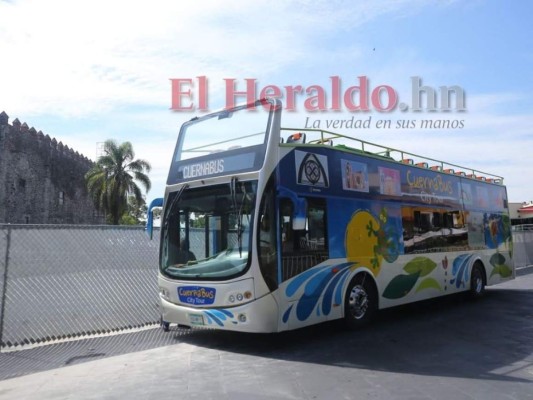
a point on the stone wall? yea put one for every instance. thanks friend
(41, 180)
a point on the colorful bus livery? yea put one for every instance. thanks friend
(268, 229)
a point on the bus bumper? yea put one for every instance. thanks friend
(260, 316)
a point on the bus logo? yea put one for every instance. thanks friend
(196, 295)
(312, 169)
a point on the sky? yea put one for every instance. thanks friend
(87, 71)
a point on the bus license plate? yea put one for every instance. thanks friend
(196, 319)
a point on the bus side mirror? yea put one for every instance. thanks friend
(150, 216)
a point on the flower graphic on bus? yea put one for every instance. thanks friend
(497, 230)
(418, 267)
(369, 240)
(497, 260)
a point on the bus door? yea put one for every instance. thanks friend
(302, 249)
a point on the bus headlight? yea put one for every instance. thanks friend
(239, 297)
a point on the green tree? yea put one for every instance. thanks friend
(136, 212)
(127, 219)
(156, 212)
(113, 177)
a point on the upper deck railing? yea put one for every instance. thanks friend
(326, 138)
(522, 228)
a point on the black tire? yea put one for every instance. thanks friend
(477, 282)
(164, 325)
(360, 302)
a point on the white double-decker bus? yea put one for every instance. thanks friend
(266, 229)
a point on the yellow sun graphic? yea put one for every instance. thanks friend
(360, 246)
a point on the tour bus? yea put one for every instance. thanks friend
(267, 229)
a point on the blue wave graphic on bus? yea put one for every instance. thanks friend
(460, 270)
(219, 316)
(326, 282)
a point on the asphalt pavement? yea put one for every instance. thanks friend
(442, 349)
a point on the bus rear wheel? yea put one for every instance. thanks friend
(477, 282)
(360, 302)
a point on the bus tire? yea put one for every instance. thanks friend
(477, 281)
(164, 325)
(360, 301)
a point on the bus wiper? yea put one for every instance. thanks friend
(243, 188)
(233, 188)
(174, 201)
(225, 114)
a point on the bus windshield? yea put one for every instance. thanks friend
(223, 143)
(227, 130)
(206, 231)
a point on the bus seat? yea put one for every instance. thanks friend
(296, 138)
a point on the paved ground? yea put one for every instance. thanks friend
(445, 349)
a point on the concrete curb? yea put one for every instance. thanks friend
(528, 269)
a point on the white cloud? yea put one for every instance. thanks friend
(111, 61)
(77, 58)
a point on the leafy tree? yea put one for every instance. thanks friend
(198, 222)
(156, 212)
(127, 219)
(136, 212)
(113, 178)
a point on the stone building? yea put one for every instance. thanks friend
(41, 180)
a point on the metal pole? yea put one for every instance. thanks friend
(4, 288)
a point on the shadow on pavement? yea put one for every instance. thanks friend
(487, 339)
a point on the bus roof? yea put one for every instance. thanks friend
(319, 137)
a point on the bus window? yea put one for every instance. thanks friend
(476, 236)
(303, 249)
(315, 237)
(267, 240)
(432, 230)
(206, 233)
(177, 248)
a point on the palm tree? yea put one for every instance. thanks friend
(113, 177)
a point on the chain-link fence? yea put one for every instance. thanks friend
(66, 281)
(523, 248)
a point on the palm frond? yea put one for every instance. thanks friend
(112, 178)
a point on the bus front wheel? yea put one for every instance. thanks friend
(164, 325)
(360, 302)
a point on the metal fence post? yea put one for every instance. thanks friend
(4, 287)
